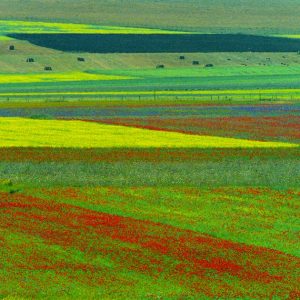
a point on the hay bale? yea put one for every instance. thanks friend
(160, 66)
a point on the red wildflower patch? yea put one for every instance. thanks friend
(258, 128)
(146, 247)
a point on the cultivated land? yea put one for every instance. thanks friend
(145, 213)
(120, 180)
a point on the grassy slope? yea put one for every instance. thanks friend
(15, 61)
(272, 16)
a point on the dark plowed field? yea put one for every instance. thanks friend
(156, 43)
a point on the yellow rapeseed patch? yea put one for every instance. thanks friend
(21, 132)
(7, 27)
(55, 77)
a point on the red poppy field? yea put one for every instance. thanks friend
(79, 252)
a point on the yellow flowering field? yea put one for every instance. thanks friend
(7, 26)
(55, 77)
(21, 132)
